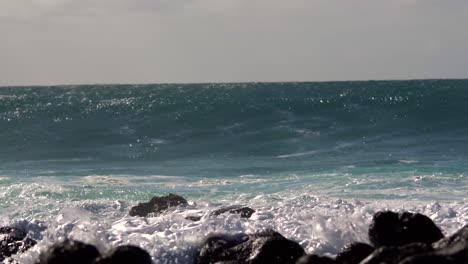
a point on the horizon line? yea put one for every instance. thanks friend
(228, 82)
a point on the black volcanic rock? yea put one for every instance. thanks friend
(393, 254)
(13, 241)
(314, 259)
(245, 212)
(70, 252)
(429, 259)
(354, 253)
(393, 229)
(125, 255)
(450, 250)
(157, 205)
(263, 247)
(460, 238)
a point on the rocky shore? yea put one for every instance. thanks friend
(395, 238)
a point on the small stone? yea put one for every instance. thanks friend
(245, 212)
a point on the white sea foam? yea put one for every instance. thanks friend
(105, 179)
(299, 154)
(321, 224)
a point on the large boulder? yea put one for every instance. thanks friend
(396, 229)
(354, 253)
(450, 250)
(157, 205)
(13, 241)
(263, 247)
(70, 252)
(125, 255)
(394, 254)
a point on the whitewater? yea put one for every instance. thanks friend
(314, 160)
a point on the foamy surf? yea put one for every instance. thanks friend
(314, 160)
(322, 225)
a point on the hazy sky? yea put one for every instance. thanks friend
(153, 41)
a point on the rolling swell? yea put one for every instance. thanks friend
(258, 120)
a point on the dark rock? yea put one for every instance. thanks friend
(13, 241)
(314, 259)
(459, 238)
(222, 248)
(450, 250)
(125, 255)
(70, 252)
(272, 247)
(354, 253)
(245, 212)
(264, 247)
(429, 259)
(193, 218)
(393, 255)
(393, 229)
(157, 205)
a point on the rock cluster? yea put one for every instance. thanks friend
(158, 205)
(402, 238)
(396, 238)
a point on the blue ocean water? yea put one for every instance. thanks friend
(94, 150)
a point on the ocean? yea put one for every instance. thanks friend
(315, 160)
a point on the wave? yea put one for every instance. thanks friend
(170, 121)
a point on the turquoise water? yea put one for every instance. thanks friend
(350, 138)
(95, 150)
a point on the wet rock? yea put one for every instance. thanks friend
(70, 252)
(245, 212)
(314, 259)
(263, 247)
(395, 229)
(222, 248)
(125, 255)
(450, 250)
(460, 238)
(157, 205)
(194, 218)
(354, 253)
(13, 241)
(429, 259)
(393, 254)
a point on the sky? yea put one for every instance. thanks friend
(46, 42)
